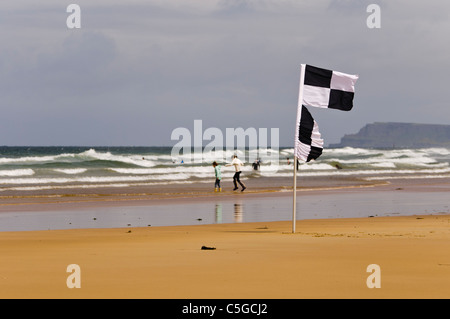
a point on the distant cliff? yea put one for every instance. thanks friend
(398, 135)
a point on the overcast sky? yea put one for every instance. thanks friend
(136, 70)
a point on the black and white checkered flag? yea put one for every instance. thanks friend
(319, 88)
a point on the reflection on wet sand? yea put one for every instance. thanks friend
(238, 212)
(333, 205)
(218, 213)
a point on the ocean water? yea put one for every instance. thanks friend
(40, 168)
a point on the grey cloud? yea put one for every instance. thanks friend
(80, 63)
(352, 6)
(134, 73)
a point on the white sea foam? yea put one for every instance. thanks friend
(132, 159)
(383, 165)
(351, 151)
(71, 171)
(164, 170)
(90, 154)
(17, 172)
(418, 162)
(139, 171)
(8, 160)
(92, 179)
(378, 172)
(316, 166)
(437, 150)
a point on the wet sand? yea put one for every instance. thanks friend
(264, 187)
(325, 258)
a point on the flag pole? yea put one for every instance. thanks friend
(294, 211)
(299, 113)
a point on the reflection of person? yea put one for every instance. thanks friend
(237, 163)
(219, 213)
(238, 213)
(218, 173)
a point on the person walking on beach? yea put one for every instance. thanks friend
(237, 163)
(218, 172)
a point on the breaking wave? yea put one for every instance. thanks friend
(53, 166)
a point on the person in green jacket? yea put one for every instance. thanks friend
(218, 172)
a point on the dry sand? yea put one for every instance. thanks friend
(324, 259)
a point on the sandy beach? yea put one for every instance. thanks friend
(325, 258)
